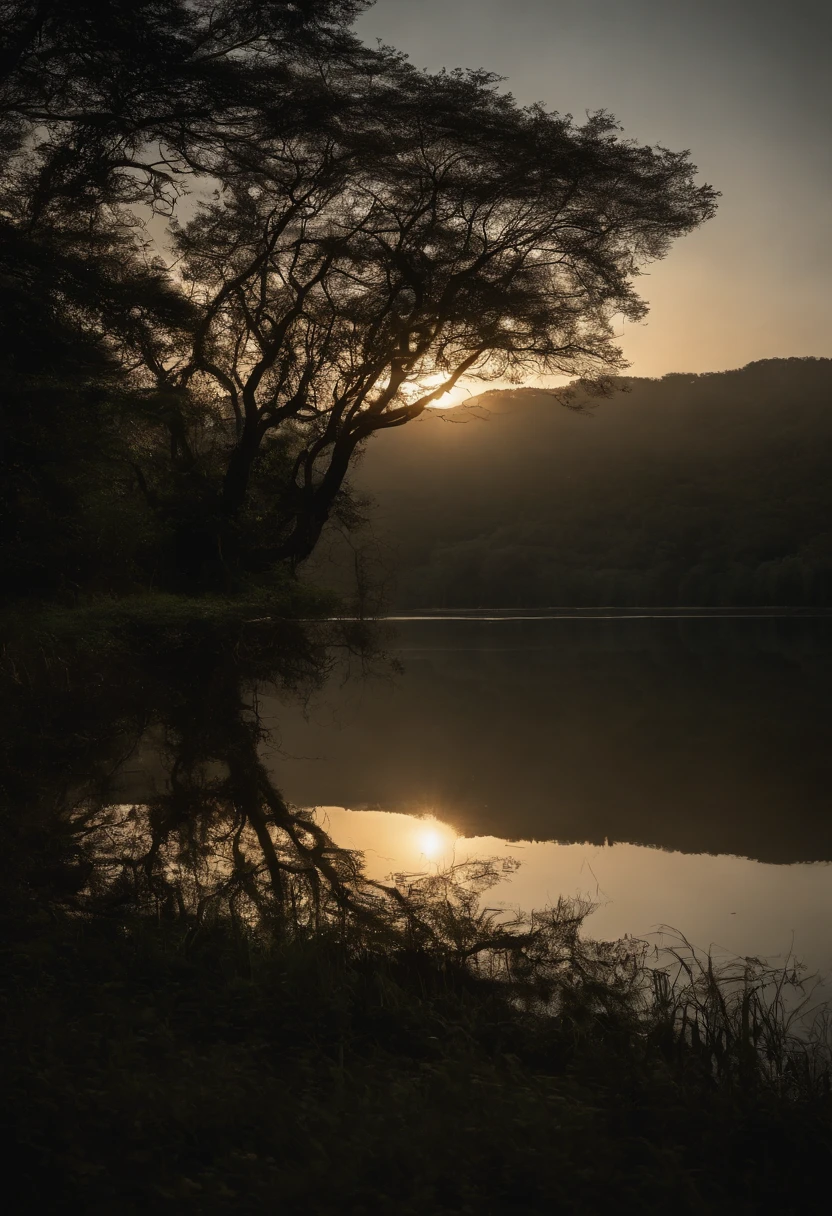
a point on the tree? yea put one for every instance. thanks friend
(109, 111)
(106, 101)
(375, 234)
(341, 292)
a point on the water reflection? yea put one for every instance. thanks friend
(732, 906)
(675, 771)
(134, 785)
(593, 739)
(693, 735)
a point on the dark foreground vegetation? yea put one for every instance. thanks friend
(155, 1067)
(708, 490)
(207, 1007)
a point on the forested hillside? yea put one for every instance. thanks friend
(710, 489)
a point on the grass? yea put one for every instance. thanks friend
(151, 1070)
(106, 622)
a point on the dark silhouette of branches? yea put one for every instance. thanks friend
(342, 295)
(368, 236)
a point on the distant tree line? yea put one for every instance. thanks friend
(700, 490)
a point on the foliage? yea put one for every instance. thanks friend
(374, 234)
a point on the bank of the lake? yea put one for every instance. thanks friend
(151, 1070)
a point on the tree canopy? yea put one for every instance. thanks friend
(359, 236)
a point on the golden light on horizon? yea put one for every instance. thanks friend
(470, 387)
(460, 392)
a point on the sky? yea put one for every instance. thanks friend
(744, 84)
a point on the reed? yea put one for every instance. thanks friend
(442, 1059)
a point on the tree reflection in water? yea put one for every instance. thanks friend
(216, 841)
(218, 831)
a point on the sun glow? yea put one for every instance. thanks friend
(470, 387)
(454, 396)
(434, 840)
(431, 843)
(457, 395)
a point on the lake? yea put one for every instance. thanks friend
(675, 767)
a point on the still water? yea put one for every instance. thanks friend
(675, 769)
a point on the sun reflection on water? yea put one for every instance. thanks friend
(731, 905)
(434, 840)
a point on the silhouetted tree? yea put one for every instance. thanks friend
(107, 101)
(341, 293)
(108, 110)
(375, 234)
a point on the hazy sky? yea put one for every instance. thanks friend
(744, 84)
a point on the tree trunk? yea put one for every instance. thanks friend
(316, 509)
(235, 483)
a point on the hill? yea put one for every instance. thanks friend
(710, 489)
